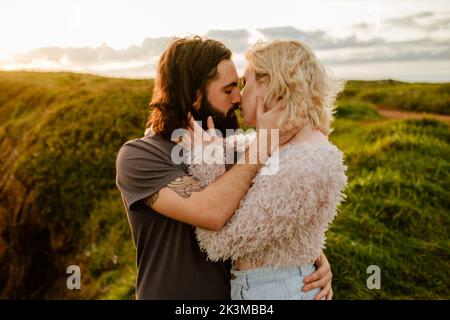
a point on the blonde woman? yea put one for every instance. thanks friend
(279, 229)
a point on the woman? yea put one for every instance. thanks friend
(279, 229)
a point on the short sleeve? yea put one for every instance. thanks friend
(142, 171)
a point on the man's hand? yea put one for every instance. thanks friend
(321, 278)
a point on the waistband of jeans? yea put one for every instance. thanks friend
(266, 274)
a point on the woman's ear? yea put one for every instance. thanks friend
(198, 100)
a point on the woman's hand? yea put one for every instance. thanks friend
(195, 136)
(200, 145)
(321, 278)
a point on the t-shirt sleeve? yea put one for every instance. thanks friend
(140, 172)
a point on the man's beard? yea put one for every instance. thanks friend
(221, 121)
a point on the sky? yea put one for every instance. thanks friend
(355, 39)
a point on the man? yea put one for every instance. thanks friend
(163, 202)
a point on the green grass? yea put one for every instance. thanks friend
(356, 110)
(418, 97)
(59, 136)
(397, 212)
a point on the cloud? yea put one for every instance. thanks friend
(410, 20)
(236, 40)
(439, 24)
(312, 37)
(361, 26)
(317, 39)
(394, 52)
(430, 41)
(150, 47)
(425, 21)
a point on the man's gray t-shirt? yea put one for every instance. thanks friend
(170, 263)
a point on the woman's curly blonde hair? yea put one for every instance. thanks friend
(294, 74)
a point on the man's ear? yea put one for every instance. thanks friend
(198, 100)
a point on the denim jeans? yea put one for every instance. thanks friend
(271, 284)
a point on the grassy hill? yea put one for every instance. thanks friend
(389, 94)
(397, 212)
(59, 135)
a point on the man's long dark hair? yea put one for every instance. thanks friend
(184, 70)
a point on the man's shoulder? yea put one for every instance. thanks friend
(147, 144)
(146, 152)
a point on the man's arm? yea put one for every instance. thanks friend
(213, 206)
(210, 208)
(321, 278)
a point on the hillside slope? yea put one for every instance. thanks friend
(59, 135)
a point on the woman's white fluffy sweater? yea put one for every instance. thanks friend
(282, 220)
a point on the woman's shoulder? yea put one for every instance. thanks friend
(305, 150)
(306, 158)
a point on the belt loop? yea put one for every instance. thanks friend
(307, 269)
(241, 290)
(303, 270)
(246, 281)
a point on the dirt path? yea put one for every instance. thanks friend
(396, 114)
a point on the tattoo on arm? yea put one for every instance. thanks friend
(184, 186)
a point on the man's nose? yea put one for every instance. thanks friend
(236, 98)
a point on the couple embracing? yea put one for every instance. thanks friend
(228, 230)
